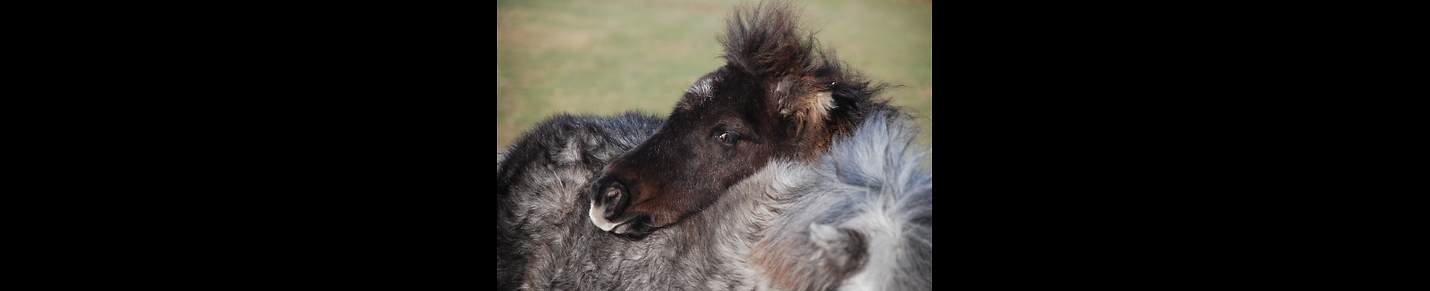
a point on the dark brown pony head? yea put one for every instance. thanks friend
(778, 96)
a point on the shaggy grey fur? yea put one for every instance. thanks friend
(859, 219)
(863, 221)
(540, 176)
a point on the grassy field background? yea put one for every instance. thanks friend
(608, 57)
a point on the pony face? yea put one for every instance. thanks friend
(720, 133)
(777, 96)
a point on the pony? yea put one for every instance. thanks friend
(778, 96)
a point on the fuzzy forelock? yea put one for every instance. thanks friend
(766, 40)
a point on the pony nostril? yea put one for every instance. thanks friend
(613, 193)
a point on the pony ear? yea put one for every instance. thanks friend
(804, 102)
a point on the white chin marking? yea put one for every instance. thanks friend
(600, 220)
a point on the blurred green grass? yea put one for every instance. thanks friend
(608, 57)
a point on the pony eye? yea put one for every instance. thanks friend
(728, 137)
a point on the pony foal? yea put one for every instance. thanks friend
(778, 96)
